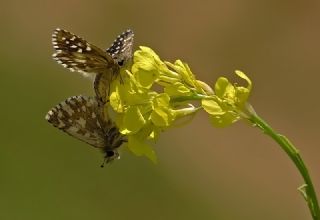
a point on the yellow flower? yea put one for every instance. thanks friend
(143, 110)
(229, 100)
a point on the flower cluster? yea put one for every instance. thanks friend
(153, 94)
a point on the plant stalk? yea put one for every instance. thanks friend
(307, 189)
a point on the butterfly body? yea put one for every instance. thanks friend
(84, 117)
(78, 55)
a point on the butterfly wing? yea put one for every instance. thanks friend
(77, 54)
(79, 117)
(121, 48)
(121, 52)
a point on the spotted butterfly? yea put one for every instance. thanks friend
(78, 55)
(83, 118)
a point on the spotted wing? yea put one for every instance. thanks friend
(121, 48)
(79, 117)
(77, 54)
(121, 52)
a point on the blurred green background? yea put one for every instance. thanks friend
(203, 172)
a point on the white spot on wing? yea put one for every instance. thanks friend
(72, 102)
(80, 60)
(73, 130)
(60, 114)
(81, 122)
(61, 124)
(87, 135)
(67, 108)
(47, 117)
(89, 103)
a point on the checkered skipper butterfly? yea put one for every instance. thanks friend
(82, 118)
(78, 55)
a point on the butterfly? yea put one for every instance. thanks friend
(83, 118)
(77, 54)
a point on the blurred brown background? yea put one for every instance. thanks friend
(203, 172)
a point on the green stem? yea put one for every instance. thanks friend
(190, 98)
(307, 190)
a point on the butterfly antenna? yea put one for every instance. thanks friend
(104, 162)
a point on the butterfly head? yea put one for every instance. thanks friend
(110, 156)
